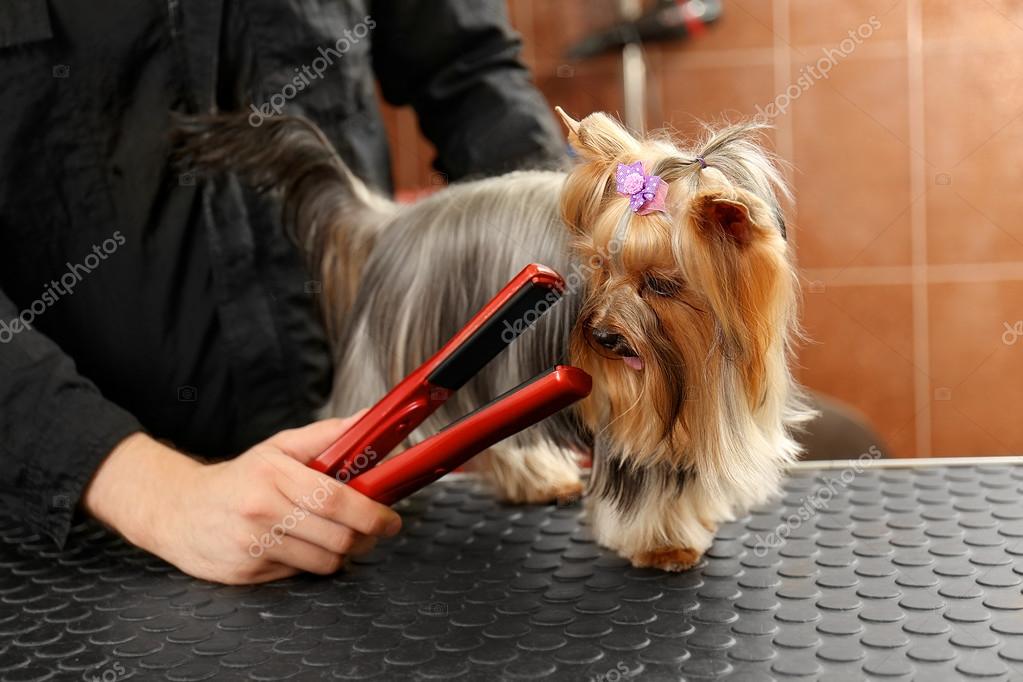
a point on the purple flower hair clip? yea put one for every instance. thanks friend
(646, 192)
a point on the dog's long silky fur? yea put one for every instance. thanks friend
(715, 404)
(399, 281)
(697, 437)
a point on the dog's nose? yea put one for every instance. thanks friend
(606, 338)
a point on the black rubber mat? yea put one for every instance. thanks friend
(886, 574)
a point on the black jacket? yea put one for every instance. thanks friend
(136, 296)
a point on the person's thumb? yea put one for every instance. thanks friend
(307, 442)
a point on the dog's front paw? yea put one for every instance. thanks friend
(667, 558)
(557, 484)
(544, 492)
(539, 474)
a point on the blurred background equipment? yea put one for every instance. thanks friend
(666, 20)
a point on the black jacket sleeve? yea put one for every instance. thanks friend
(55, 428)
(457, 63)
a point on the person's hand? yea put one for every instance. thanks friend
(261, 516)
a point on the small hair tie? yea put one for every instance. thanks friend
(646, 193)
(703, 164)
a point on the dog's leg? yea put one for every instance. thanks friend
(665, 533)
(534, 473)
(653, 516)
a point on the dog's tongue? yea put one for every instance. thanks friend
(634, 362)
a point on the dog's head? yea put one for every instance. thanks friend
(688, 311)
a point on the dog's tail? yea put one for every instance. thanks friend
(331, 214)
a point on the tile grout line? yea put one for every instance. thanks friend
(893, 275)
(781, 60)
(529, 49)
(918, 228)
(784, 135)
(714, 58)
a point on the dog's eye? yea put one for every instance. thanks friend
(660, 286)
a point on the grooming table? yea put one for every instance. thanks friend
(911, 571)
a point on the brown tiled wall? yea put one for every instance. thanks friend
(907, 162)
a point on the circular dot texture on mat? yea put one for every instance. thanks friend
(894, 574)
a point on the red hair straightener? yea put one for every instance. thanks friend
(353, 458)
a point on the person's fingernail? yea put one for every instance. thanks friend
(393, 527)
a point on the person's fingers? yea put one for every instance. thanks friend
(360, 513)
(304, 524)
(307, 442)
(270, 571)
(325, 497)
(305, 556)
(327, 534)
(363, 545)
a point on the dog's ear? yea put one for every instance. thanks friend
(571, 125)
(600, 142)
(738, 260)
(732, 214)
(598, 137)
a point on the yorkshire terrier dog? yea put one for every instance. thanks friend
(681, 303)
